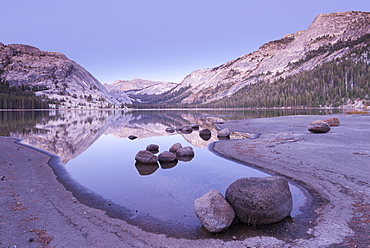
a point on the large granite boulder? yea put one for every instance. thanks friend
(146, 157)
(260, 200)
(174, 147)
(319, 126)
(214, 212)
(167, 157)
(225, 132)
(333, 122)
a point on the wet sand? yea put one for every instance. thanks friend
(37, 211)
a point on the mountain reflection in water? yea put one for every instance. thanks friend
(94, 148)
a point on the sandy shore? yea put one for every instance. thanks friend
(37, 211)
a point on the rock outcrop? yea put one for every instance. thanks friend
(274, 59)
(54, 76)
(137, 89)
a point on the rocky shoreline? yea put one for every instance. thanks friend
(37, 210)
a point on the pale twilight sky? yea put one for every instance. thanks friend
(161, 40)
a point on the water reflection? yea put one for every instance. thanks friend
(96, 151)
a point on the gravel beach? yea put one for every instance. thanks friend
(37, 211)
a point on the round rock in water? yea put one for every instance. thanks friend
(186, 151)
(214, 212)
(152, 148)
(174, 147)
(146, 157)
(319, 127)
(167, 157)
(260, 200)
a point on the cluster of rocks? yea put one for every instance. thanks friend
(254, 201)
(205, 134)
(147, 161)
(323, 126)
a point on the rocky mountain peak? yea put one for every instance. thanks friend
(56, 77)
(275, 58)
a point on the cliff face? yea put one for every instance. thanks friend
(138, 89)
(275, 59)
(55, 75)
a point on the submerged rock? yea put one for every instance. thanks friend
(319, 126)
(214, 212)
(146, 157)
(260, 200)
(146, 169)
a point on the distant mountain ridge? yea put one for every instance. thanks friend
(277, 59)
(139, 90)
(55, 76)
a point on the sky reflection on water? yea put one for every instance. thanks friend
(95, 151)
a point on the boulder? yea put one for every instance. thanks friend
(186, 151)
(333, 122)
(260, 200)
(167, 157)
(319, 126)
(132, 137)
(214, 212)
(225, 132)
(174, 147)
(146, 157)
(205, 132)
(152, 148)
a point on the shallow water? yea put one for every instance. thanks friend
(95, 151)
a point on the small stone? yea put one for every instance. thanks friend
(234, 237)
(186, 151)
(174, 147)
(146, 157)
(152, 148)
(31, 239)
(170, 130)
(167, 157)
(132, 137)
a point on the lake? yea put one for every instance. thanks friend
(96, 159)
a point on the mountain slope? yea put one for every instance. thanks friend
(139, 90)
(288, 56)
(54, 76)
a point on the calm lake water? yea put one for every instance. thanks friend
(98, 159)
